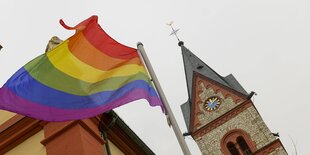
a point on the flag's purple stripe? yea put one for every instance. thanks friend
(11, 102)
(29, 88)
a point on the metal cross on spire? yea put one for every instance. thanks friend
(174, 31)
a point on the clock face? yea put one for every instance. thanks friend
(212, 103)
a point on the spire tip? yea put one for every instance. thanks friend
(181, 43)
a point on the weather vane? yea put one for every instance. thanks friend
(174, 31)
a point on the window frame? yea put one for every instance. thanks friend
(232, 136)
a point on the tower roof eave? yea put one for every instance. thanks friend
(186, 110)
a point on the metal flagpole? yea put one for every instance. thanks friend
(170, 115)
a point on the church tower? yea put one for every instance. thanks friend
(220, 115)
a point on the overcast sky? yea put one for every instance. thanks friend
(263, 43)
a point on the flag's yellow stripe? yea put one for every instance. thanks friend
(65, 61)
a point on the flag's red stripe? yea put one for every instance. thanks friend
(102, 41)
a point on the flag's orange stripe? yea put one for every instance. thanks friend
(81, 48)
(65, 61)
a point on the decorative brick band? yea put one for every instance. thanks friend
(222, 119)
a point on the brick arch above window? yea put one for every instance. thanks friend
(231, 137)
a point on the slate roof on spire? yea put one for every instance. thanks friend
(193, 64)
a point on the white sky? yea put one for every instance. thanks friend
(264, 43)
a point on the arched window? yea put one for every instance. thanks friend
(237, 142)
(244, 146)
(232, 149)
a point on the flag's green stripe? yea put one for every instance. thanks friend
(43, 71)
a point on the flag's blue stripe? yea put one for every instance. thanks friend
(25, 86)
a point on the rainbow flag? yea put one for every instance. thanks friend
(86, 75)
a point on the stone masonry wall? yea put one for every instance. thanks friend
(248, 120)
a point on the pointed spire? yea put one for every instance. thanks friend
(193, 64)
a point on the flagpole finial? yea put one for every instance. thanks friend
(139, 43)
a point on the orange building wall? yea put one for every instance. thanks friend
(31, 146)
(21, 135)
(5, 115)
